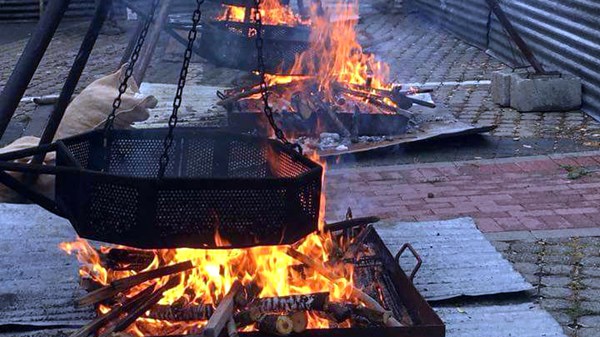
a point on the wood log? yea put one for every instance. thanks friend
(299, 321)
(381, 317)
(368, 301)
(247, 317)
(232, 328)
(280, 325)
(346, 224)
(126, 283)
(95, 325)
(337, 312)
(223, 313)
(308, 302)
(193, 312)
(141, 308)
(127, 259)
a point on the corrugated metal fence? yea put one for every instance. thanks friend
(29, 10)
(565, 35)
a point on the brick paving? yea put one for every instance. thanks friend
(531, 193)
(565, 273)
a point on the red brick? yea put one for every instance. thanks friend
(488, 225)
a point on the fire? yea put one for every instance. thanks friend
(216, 270)
(335, 55)
(272, 13)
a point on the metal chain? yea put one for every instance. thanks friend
(187, 57)
(108, 124)
(130, 66)
(263, 83)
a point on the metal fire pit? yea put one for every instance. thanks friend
(399, 296)
(250, 191)
(231, 44)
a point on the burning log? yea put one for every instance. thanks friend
(126, 283)
(127, 259)
(304, 302)
(346, 224)
(369, 301)
(247, 317)
(99, 322)
(232, 328)
(223, 313)
(193, 312)
(140, 309)
(299, 321)
(340, 312)
(280, 325)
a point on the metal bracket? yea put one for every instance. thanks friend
(415, 254)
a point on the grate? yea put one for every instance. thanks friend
(229, 44)
(245, 190)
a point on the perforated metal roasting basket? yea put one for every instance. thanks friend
(231, 44)
(220, 190)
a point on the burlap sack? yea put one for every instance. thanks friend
(91, 107)
(87, 111)
(44, 184)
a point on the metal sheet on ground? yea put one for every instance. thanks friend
(197, 108)
(519, 320)
(428, 131)
(458, 259)
(38, 282)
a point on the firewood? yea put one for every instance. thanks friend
(381, 317)
(223, 313)
(280, 325)
(193, 312)
(126, 283)
(232, 328)
(337, 312)
(247, 317)
(139, 310)
(99, 322)
(314, 301)
(299, 321)
(368, 301)
(336, 226)
(127, 259)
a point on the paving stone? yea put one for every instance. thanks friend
(591, 306)
(554, 304)
(556, 292)
(589, 321)
(556, 281)
(588, 332)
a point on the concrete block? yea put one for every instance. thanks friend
(542, 93)
(501, 86)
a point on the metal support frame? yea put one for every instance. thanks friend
(30, 60)
(150, 46)
(102, 9)
(167, 28)
(514, 35)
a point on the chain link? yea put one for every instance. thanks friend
(187, 57)
(108, 124)
(259, 41)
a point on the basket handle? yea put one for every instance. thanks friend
(415, 254)
(7, 164)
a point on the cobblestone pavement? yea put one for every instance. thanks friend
(533, 193)
(566, 276)
(416, 49)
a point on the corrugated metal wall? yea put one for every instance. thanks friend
(29, 10)
(564, 35)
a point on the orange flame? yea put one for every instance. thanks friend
(273, 12)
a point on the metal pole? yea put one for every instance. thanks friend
(514, 35)
(166, 28)
(152, 39)
(102, 9)
(30, 60)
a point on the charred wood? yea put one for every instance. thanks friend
(302, 302)
(223, 313)
(126, 283)
(193, 312)
(280, 325)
